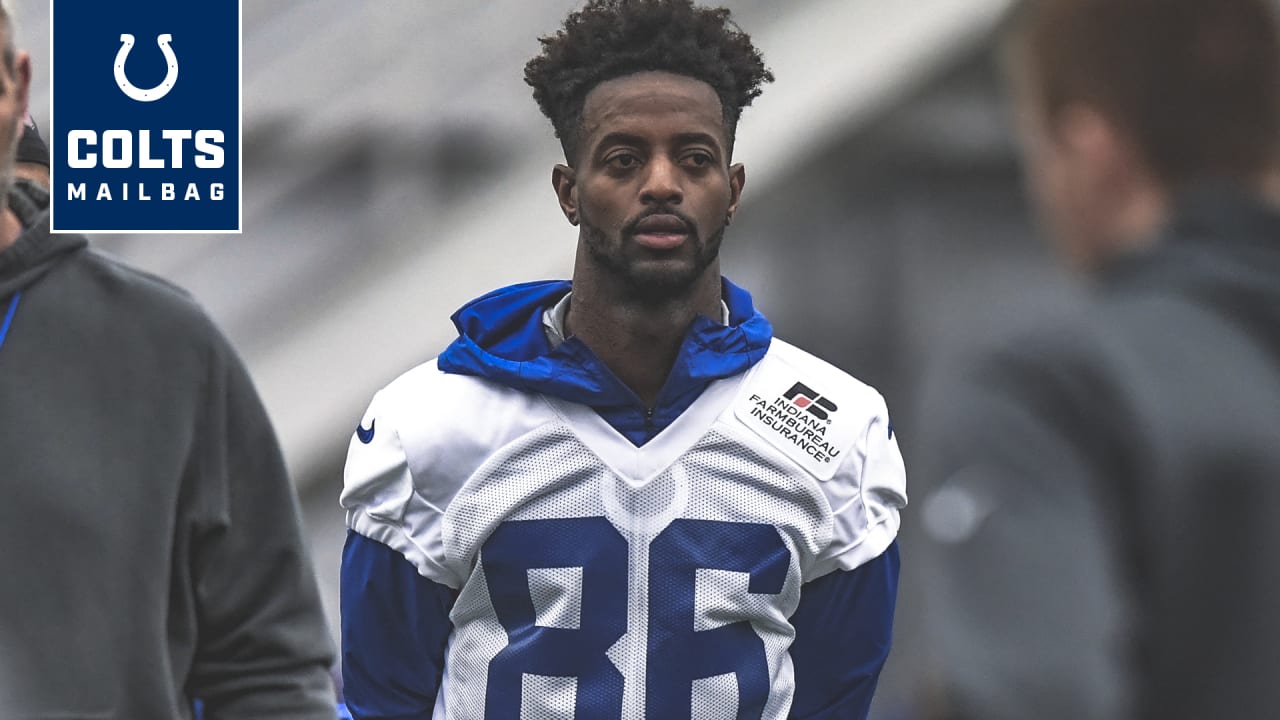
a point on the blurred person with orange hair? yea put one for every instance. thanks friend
(1104, 536)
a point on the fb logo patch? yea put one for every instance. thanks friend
(803, 397)
(146, 118)
(797, 419)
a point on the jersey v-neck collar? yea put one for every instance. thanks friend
(639, 465)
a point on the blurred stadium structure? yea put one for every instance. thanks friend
(396, 166)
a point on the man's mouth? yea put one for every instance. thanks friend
(661, 232)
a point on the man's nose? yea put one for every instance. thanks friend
(662, 183)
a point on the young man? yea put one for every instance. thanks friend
(151, 549)
(621, 497)
(1120, 469)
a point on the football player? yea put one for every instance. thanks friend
(621, 496)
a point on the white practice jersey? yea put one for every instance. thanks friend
(601, 579)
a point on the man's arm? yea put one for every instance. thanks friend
(395, 600)
(844, 622)
(263, 648)
(395, 629)
(844, 626)
(1023, 584)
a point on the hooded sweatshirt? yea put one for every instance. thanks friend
(502, 336)
(152, 552)
(398, 623)
(1126, 463)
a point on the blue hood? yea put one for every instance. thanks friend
(501, 338)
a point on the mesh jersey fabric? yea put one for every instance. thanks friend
(601, 579)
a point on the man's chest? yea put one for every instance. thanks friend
(636, 587)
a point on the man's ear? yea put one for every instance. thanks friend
(22, 80)
(564, 180)
(1098, 148)
(737, 179)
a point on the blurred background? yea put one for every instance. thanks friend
(395, 166)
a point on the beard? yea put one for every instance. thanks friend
(644, 278)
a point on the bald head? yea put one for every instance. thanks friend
(9, 54)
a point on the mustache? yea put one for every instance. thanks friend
(629, 228)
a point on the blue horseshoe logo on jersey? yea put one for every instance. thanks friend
(157, 92)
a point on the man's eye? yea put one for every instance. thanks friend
(699, 159)
(624, 161)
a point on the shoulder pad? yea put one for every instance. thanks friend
(442, 426)
(807, 409)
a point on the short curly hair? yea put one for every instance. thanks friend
(608, 39)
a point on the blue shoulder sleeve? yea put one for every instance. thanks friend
(844, 625)
(395, 628)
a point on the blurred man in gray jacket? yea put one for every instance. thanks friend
(150, 550)
(1107, 526)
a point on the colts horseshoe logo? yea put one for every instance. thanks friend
(157, 92)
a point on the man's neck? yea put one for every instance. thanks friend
(1150, 208)
(638, 341)
(1268, 187)
(1137, 227)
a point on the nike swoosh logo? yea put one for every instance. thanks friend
(366, 436)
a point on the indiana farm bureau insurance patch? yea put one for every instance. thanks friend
(146, 117)
(796, 416)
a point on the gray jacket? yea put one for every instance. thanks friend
(151, 545)
(1106, 532)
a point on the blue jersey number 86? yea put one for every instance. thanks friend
(678, 654)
